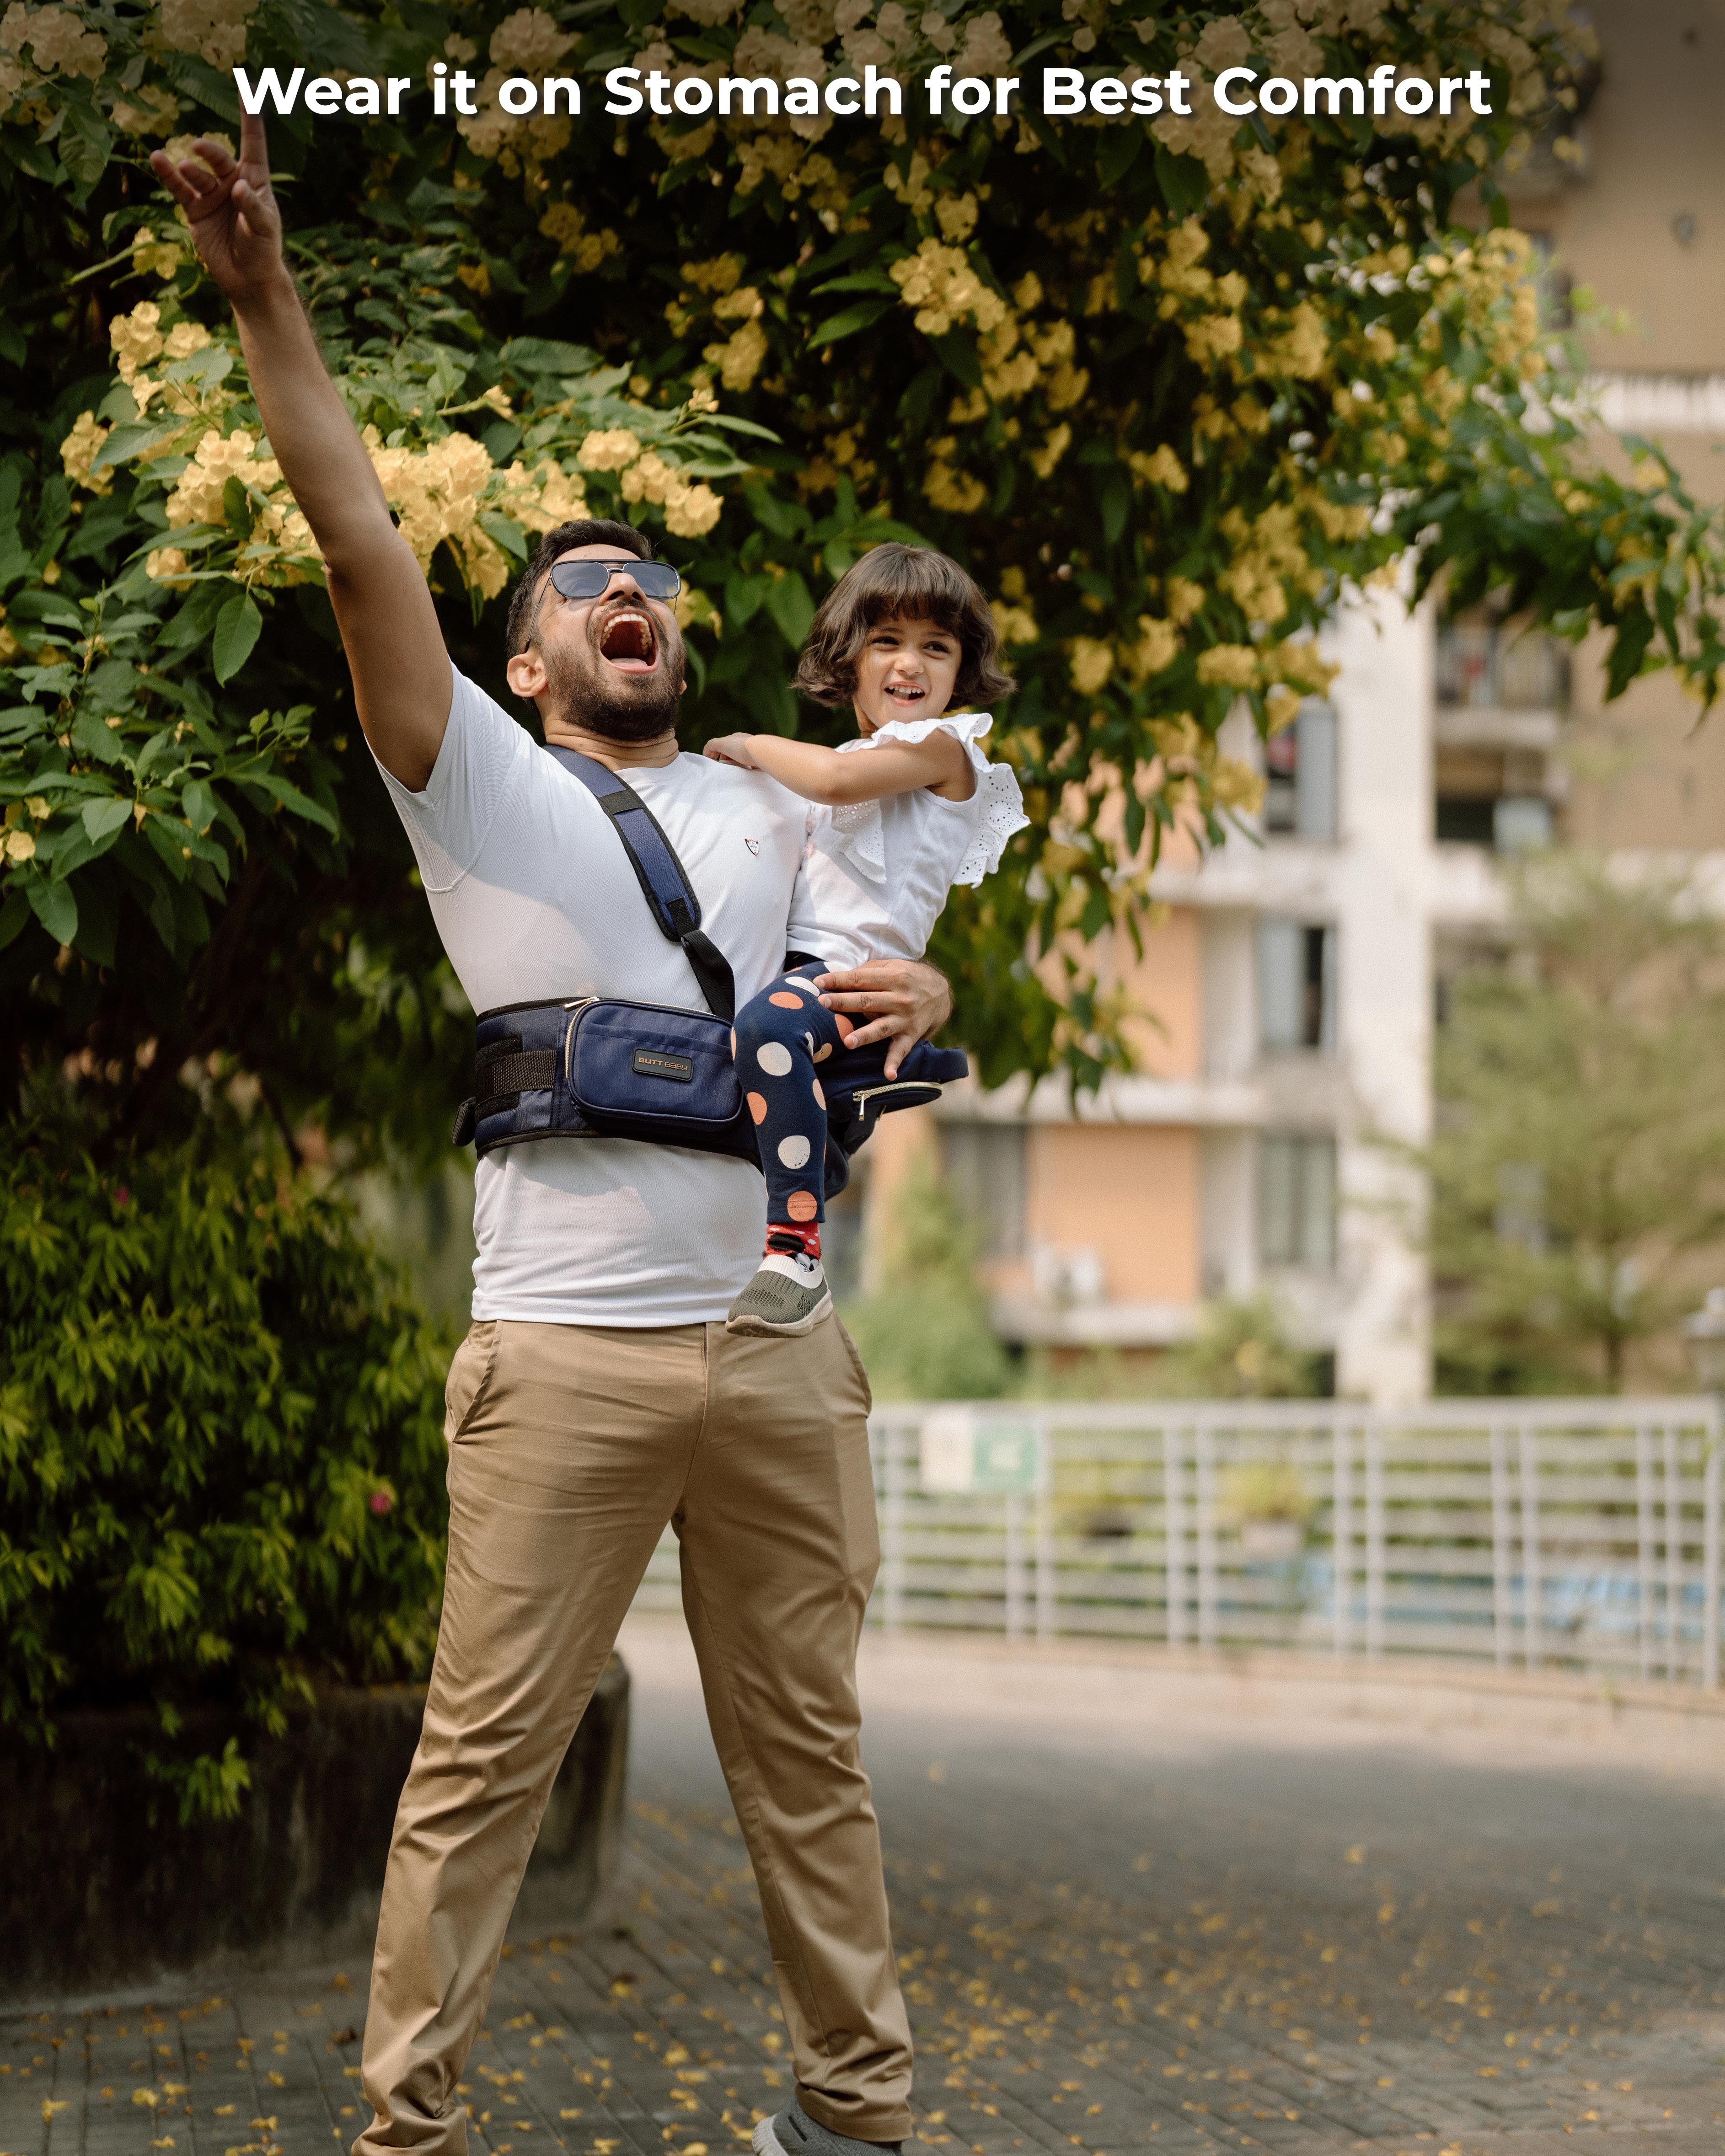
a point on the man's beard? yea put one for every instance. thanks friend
(585, 693)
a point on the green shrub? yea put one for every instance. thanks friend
(924, 1334)
(220, 1455)
(1242, 1353)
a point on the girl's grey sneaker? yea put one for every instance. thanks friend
(793, 2132)
(789, 1294)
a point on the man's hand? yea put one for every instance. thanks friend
(731, 748)
(905, 1002)
(236, 226)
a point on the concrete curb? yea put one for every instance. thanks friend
(105, 1891)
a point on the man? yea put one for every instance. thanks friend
(598, 1393)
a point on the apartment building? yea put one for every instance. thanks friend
(1298, 973)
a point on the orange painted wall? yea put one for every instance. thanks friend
(1131, 1191)
(1167, 983)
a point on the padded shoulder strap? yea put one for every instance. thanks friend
(664, 881)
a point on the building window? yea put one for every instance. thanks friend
(1484, 665)
(1297, 1201)
(1491, 796)
(983, 1164)
(1300, 773)
(1296, 984)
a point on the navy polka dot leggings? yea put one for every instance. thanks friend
(782, 1039)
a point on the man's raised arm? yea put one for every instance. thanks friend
(402, 682)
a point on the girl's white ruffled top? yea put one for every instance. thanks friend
(901, 856)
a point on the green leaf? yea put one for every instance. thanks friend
(197, 805)
(1120, 148)
(102, 819)
(958, 355)
(85, 142)
(99, 742)
(547, 355)
(55, 907)
(1116, 498)
(1185, 184)
(236, 629)
(13, 914)
(291, 797)
(789, 604)
(862, 281)
(742, 599)
(862, 317)
(508, 534)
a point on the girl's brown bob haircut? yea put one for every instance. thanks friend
(895, 582)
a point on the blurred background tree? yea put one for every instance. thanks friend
(1578, 1168)
(1166, 388)
(923, 1332)
(1243, 1352)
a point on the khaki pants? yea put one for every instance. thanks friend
(570, 1447)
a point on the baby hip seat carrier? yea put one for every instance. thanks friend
(600, 1066)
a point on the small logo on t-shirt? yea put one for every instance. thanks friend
(753, 845)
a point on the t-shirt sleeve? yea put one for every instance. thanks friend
(447, 822)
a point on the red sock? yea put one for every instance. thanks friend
(785, 1240)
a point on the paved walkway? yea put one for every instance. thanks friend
(1119, 1930)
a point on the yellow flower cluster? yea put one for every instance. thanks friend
(1267, 557)
(690, 509)
(1158, 647)
(739, 357)
(1091, 661)
(783, 157)
(1159, 467)
(608, 449)
(151, 256)
(1015, 622)
(947, 487)
(1063, 384)
(213, 29)
(149, 110)
(197, 496)
(1229, 666)
(80, 450)
(718, 276)
(565, 224)
(136, 339)
(436, 493)
(1184, 598)
(942, 285)
(1055, 444)
(60, 43)
(527, 43)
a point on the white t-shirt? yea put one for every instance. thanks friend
(535, 899)
(880, 870)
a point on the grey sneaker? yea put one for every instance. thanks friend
(793, 2132)
(789, 1294)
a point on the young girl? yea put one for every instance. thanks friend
(916, 807)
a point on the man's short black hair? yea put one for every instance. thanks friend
(584, 531)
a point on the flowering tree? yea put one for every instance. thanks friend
(1166, 387)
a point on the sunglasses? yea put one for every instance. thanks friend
(587, 580)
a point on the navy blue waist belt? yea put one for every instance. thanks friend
(599, 1067)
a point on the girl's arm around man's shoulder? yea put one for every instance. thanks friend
(941, 763)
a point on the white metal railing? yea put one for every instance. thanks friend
(1579, 1534)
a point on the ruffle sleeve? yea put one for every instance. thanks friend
(997, 806)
